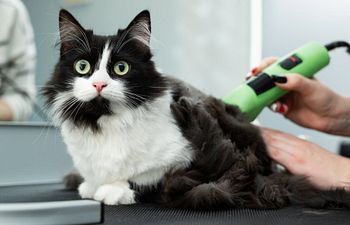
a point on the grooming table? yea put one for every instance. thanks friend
(51, 204)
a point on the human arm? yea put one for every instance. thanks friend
(17, 62)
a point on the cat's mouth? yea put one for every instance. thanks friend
(99, 103)
(99, 99)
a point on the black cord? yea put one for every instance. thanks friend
(338, 44)
(10, 82)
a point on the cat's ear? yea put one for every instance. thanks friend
(140, 27)
(71, 32)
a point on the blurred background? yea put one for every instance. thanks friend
(210, 44)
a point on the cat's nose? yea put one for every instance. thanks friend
(99, 86)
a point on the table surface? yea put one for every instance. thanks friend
(154, 214)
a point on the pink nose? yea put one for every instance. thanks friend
(99, 86)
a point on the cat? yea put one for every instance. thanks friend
(136, 135)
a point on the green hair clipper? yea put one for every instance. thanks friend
(260, 91)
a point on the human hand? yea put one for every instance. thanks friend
(300, 157)
(310, 103)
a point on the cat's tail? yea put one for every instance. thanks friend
(302, 192)
(267, 192)
(297, 190)
(72, 181)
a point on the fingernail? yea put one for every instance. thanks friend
(254, 70)
(249, 75)
(279, 79)
(282, 109)
(274, 107)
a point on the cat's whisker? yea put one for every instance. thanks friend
(45, 86)
(69, 102)
(129, 105)
(136, 95)
(65, 96)
(78, 109)
(69, 106)
(74, 106)
(129, 95)
(153, 87)
(160, 87)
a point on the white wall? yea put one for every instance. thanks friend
(213, 43)
(289, 24)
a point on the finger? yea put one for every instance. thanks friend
(273, 107)
(249, 75)
(283, 109)
(279, 107)
(264, 63)
(279, 148)
(298, 83)
(281, 157)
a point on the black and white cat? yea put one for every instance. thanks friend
(137, 135)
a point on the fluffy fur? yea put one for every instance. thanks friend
(146, 137)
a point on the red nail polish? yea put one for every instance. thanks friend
(282, 109)
(254, 70)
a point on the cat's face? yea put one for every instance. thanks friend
(101, 75)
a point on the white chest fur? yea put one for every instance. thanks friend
(139, 145)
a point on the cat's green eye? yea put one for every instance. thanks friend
(121, 68)
(82, 66)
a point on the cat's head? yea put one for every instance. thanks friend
(102, 75)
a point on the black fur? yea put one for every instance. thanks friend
(72, 181)
(231, 166)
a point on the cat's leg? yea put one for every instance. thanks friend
(115, 193)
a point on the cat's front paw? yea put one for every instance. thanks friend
(86, 190)
(115, 194)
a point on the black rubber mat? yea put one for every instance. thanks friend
(142, 214)
(36, 193)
